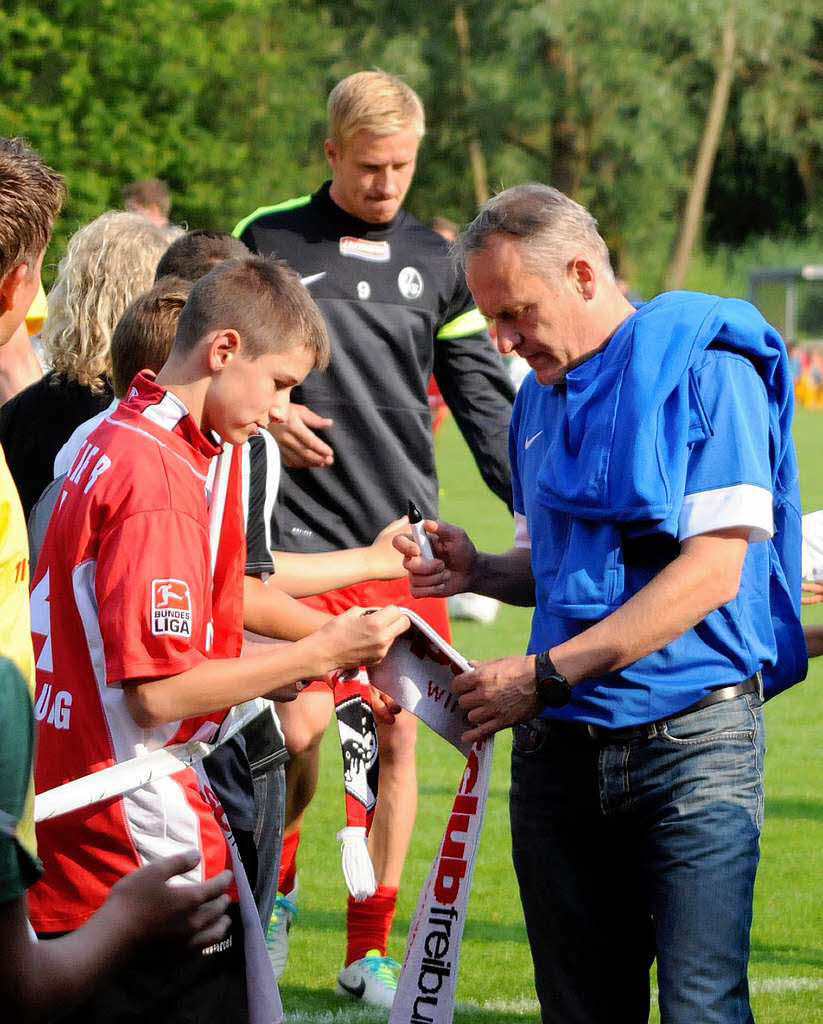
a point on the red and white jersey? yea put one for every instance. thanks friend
(131, 585)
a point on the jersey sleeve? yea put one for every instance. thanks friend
(728, 478)
(476, 388)
(261, 480)
(153, 591)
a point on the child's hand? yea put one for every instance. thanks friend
(359, 638)
(814, 592)
(386, 563)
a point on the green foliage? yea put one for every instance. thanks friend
(225, 100)
(728, 268)
(200, 94)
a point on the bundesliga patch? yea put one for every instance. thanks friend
(364, 249)
(170, 608)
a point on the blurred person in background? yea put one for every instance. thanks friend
(813, 577)
(194, 253)
(107, 263)
(142, 340)
(150, 198)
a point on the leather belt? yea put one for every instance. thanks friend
(601, 734)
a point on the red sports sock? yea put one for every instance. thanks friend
(288, 862)
(369, 922)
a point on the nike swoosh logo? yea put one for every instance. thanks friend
(354, 990)
(312, 278)
(530, 440)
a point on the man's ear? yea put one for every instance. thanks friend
(10, 285)
(223, 347)
(582, 278)
(332, 151)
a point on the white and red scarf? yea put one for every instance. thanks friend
(418, 674)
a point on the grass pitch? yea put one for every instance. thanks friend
(495, 971)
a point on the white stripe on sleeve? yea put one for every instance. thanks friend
(272, 481)
(723, 508)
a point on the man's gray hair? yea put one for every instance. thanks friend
(552, 228)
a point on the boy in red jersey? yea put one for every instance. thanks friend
(38, 980)
(138, 615)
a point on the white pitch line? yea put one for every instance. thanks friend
(525, 1006)
(785, 984)
(358, 1014)
(520, 1007)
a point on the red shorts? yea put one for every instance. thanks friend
(377, 593)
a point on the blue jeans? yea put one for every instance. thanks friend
(643, 848)
(270, 811)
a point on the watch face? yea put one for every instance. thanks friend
(555, 692)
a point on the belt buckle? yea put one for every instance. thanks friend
(593, 731)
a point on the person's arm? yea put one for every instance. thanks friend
(345, 641)
(703, 577)
(148, 564)
(478, 391)
(459, 567)
(304, 574)
(270, 611)
(41, 980)
(727, 505)
(296, 573)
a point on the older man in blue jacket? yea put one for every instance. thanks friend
(658, 536)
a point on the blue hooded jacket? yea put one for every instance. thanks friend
(620, 454)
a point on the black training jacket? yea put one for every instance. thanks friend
(397, 311)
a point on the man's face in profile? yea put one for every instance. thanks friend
(372, 173)
(539, 321)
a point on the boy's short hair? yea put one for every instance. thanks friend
(148, 192)
(194, 254)
(376, 102)
(31, 195)
(145, 333)
(263, 300)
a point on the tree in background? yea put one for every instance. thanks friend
(222, 99)
(225, 100)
